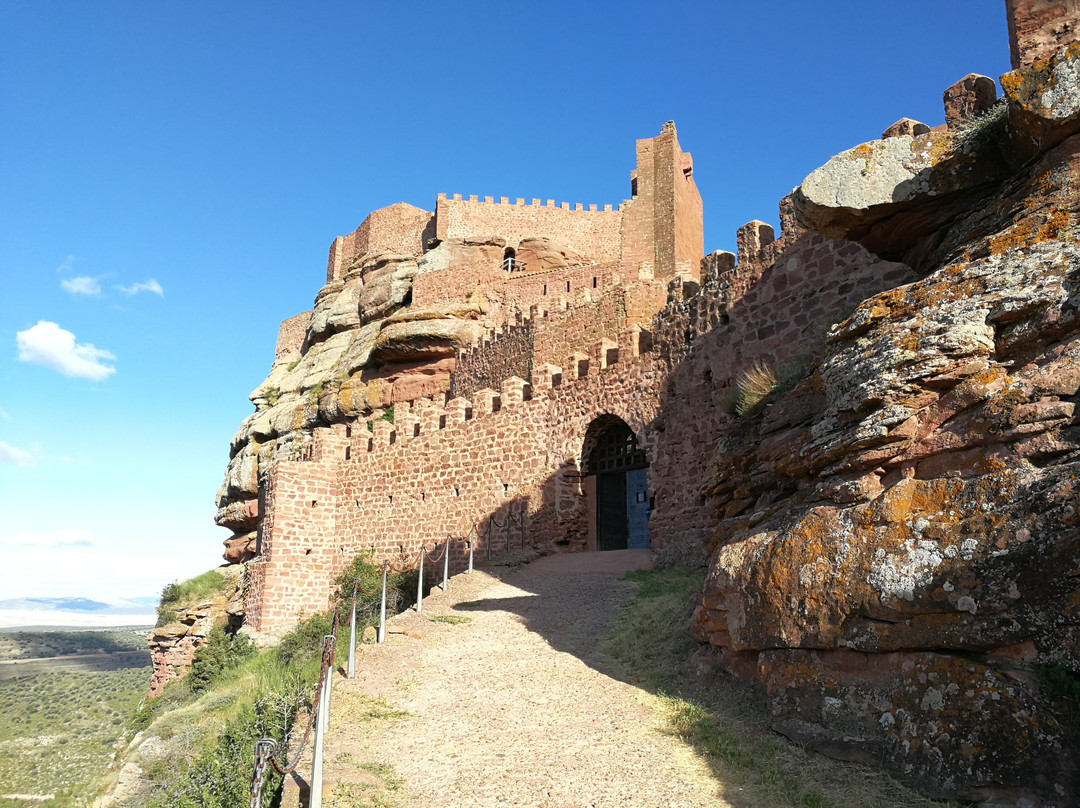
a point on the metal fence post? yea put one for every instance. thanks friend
(382, 609)
(352, 634)
(446, 565)
(472, 542)
(322, 721)
(420, 583)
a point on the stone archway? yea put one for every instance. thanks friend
(616, 477)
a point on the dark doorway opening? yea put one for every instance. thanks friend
(621, 506)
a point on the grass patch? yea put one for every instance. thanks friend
(182, 594)
(271, 393)
(452, 619)
(725, 721)
(754, 384)
(357, 709)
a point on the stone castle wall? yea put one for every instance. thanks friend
(446, 466)
(401, 229)
(291, 334)
(592, 232)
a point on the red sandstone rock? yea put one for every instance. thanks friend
(973, 95)
(905, 126)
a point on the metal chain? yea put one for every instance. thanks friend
(433, 557)
(265, 748)
(329, 644)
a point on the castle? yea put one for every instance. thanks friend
(889, 528)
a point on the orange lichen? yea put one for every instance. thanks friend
(1031, 231)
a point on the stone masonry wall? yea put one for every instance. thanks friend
(593, 233)
(444, 466)
(298, 541)
(513, 292)
(291, 334)
(400, 228)
(490, 362)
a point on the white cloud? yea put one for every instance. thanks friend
(68, 537)
(66, 265)
(50, 345)
(14, 456)
(150, 285)
(81, 285)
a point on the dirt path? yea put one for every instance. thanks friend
(518, 707)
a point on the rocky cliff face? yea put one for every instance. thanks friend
(898, 556)
(173, 647)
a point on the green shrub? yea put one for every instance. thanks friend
(271, 393)
(220, 654)
(303, 645)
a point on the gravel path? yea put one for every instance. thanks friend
(518, 707)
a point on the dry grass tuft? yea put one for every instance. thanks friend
(754, 384)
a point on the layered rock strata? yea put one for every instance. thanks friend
(899, 547)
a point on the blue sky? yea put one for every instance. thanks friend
(172, 175)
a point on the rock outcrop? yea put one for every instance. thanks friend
(898, 553)
(173, 646)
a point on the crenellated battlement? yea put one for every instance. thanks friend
(534, 202)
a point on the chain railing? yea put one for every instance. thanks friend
(266, 749)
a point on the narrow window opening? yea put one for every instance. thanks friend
(423, 496)
(442, 422)
(468, 413)
(416, 430)
(506, 488)
(391, 498)
(568, 286)
(545, 288)
(307, 551)
(348, 452)
(314, 502)
(348, 431)
(457, 492)
(594, 283)
(496, 404)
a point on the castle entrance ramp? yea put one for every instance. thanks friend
(506, 698)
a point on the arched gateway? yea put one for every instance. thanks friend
(616, 480)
